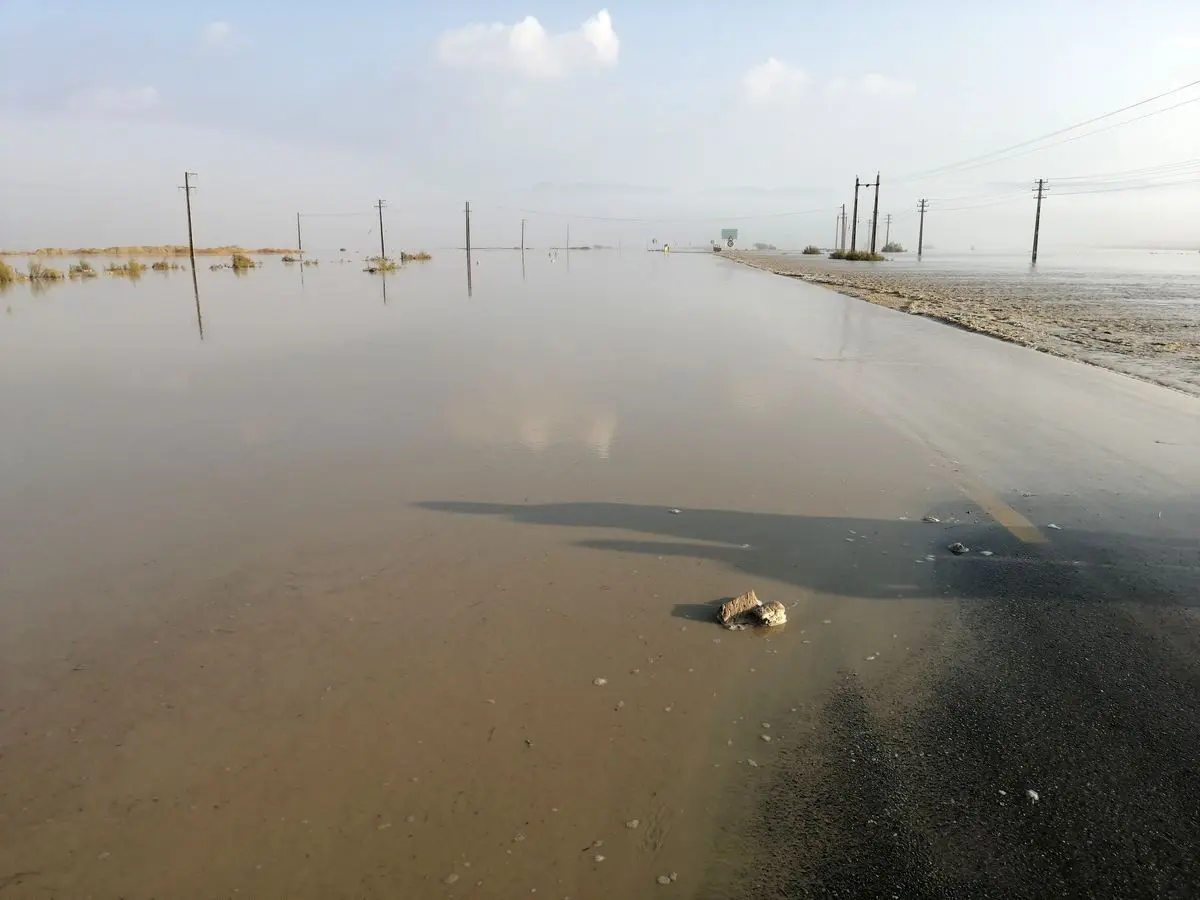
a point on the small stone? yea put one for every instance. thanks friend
(632, 823)
(958, 549)
(518, 837)
(599, 858)
(752, 763)
(771, 614)
(674, 876)
(674, 512)
(664, 879)
(599, 682)
(451, 878)
(932, 520)
(738, 606)
(985, 553)
(1004, 793)
(765, 737)
(1054, 527)
(620, 704)
(1032, 795)
(768, 724)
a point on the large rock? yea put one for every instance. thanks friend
(773, 613)
(732, 610)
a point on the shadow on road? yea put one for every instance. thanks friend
(879, 559)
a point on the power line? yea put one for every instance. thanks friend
(967, 163)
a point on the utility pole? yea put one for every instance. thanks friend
(1037, 219)
(187, 189)
(299, 243)
(922, 206)
(854, 227)
(875, 215)
(842, 245)
(382, 251)
(887, 234)
(837, 229)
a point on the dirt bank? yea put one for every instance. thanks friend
(1152, 344)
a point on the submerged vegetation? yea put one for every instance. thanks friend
(241, 261)
(312, 262)
(164, 266)
(893, 247)
(131, 269)
(812, 250)
(82, 269)
(419, 256)
(40, 272)
(376, 264)
(9, 275)
(288, 258)
(856, 255)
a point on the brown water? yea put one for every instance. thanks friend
(313, 606)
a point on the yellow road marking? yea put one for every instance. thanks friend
(1017, 524)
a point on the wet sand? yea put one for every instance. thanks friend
(315, 607)
(1139, 339)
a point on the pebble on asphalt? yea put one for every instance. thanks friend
(664, 879)
(932, 520)
(632, 823)
(1032, 795)
(600, 682)
(958, 549)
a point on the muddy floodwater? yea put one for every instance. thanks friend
(339, 587)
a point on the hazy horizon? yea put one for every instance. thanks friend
(626, 123)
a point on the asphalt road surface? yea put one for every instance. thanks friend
(1055, 752)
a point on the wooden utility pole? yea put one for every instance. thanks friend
(875, 215)
(887, 233)
(922, 206)
(299, 242)
(854, 220)
(382, 251)
(187, 189)
(1037, 219)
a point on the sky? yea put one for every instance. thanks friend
(624, 122)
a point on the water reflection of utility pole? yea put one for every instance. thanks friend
(199, 317)
(467, 213)
(383, 275)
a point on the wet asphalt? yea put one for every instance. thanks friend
(1054, 747)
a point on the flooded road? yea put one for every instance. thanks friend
(387, 590)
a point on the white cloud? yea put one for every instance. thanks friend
(220, 38)
(115, 101)
(773, 80)
(884, 87)
(529, 49)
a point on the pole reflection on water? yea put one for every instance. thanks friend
(383, 275)
(469, 284)
(196, 292)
